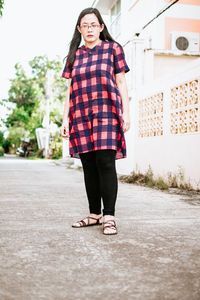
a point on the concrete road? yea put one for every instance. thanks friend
(155, 255)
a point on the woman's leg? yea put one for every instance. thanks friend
(105, 160)
(91, 178)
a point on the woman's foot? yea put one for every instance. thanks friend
(109, 225)
(92, 219)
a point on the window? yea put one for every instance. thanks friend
(115, 19)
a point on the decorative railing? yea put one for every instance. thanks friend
(151, 116)
(183, 111)
(185, 107)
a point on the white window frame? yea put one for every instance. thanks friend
(115, 24)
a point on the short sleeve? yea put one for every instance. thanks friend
(66, 72)
(120, 64)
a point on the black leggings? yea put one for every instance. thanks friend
(100, 180)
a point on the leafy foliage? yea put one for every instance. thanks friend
(1, 151)
(1, 138)
(56, 146)
(23, 91)
(1, 7)
(29, 94)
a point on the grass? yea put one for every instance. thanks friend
(144, 179)
(149, 180)
(34, 157)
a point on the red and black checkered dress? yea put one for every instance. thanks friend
(95, 113)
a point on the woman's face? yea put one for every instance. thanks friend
(90, 34)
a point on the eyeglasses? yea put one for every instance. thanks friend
(93, 26)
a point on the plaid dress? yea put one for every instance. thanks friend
(95, 112)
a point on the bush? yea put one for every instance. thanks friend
(1, 138)
(56, 147)
(38, 154)
(1, 151)
(6, 145)
(13, 140)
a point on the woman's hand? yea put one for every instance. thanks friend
(126, 121)
(65, 130)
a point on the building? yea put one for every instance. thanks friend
(161, 39)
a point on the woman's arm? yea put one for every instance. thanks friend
(122, 86)
(65, 122)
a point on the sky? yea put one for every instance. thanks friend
(35, 27)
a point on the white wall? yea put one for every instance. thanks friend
(166, 65)
(169, 152)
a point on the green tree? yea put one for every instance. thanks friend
(1, 138)
(29, 96)
(23, 90)
(39, 66)
(1, 7)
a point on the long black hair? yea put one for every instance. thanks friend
(76, 39)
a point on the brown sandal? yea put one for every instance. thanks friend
(109, 226)
(84, 224)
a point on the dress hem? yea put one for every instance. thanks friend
(119, 155)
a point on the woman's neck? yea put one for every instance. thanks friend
(92, 44)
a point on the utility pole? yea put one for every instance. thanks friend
(48, 94)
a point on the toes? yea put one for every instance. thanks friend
(79, 224)
(109, 230)
(76, 224)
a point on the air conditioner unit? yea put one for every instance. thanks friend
(185, 41)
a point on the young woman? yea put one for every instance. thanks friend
(96, 113)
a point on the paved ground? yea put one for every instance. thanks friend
(155, 256)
